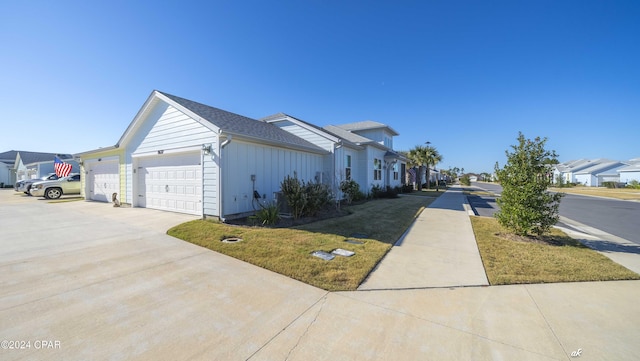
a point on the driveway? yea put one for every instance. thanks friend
(86, 281)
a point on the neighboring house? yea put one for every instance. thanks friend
(183, 156)
(361, 151)
(631, 172)
(5, 174)
(9, 159)
(30, 165)
(597, 174)
(568, 170)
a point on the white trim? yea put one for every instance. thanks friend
(190, 149)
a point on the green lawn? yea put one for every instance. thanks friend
(555, 258)
(288, 250)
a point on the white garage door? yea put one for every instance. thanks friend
(171, 183)
(104, 180)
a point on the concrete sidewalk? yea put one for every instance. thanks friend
(438, 250)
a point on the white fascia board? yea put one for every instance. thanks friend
(275, 144)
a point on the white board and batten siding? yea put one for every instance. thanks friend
(269, 164)
(166, 163)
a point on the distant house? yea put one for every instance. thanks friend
(631, 172)
(7, 171)
(31, 165)
(21, 165)
(597, 174)
(182, 156)
(594, 172)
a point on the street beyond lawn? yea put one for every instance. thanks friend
(379, 223)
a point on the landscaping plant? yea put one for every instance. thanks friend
(526, 206)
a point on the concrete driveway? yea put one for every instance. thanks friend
(86, 281)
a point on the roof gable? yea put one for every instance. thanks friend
(221, 121)
(239, 125)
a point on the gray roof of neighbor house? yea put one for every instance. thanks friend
(236, 124)
(366, 125)
(9, 157)
(35, 157)
(30, 157)
(600, 167)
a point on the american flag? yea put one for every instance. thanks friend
(62, 168)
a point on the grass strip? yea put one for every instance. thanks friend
(555, 258)
(288, 250)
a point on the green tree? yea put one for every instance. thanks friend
(525, 204)
(422, 156)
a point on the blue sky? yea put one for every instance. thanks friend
(465, 75)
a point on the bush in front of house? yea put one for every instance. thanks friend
(378, 191)
(351, 191)
(305, 199)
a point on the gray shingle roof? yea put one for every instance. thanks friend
(236, 124)
(30, 157)
(347, 135)
(366, 125)
(35, 157)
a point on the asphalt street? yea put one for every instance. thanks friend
(616, 217)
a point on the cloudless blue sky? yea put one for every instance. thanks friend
(465, 75)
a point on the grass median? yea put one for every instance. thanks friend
(627, 194)
(554, 258)
(288, 250)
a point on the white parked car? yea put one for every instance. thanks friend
(54, 189)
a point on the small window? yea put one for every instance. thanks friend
(377, 169)
(347, 167)
(396, 176)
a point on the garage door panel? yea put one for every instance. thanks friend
(104, 180)
(173, 185)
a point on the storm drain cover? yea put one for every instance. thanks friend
(232, 240)
(324, 255)
(342, 252)
(359, 235)
(353, 242)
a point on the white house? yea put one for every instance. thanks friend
(361, 151)
(598, 173)
(5, 174)
(631, 172)
(183, 156)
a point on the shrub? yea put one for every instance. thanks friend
(634, 184)
(267, 215)
(318, 196)
(465, 180)
(351, 190)
(407, 188)
(387, 192)
(305, 199)
(293, 191)
(525, 204)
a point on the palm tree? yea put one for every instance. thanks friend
(432, 157)
(415, 159)
(422, 156)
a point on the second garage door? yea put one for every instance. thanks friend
(171, 183)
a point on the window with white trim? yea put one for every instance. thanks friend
(377, 169)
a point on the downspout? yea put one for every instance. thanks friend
(335, 178)
(221, 178)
